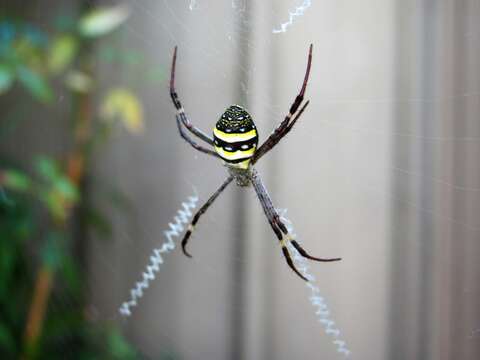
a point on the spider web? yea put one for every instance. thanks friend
(347, 173)
(351, 118)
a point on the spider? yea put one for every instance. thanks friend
(235, 140)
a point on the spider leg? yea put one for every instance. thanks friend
(200, 212)
(278, 135)
(271, 214)
(286, 124)
(188, 139)
(180, 111)
(296, 245)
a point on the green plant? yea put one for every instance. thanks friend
(37, 204)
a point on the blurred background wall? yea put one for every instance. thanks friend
(382, 170)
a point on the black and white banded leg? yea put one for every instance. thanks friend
(285, 126)
(296, 245)
(200, 212)
(279, 227)
(180, 111)
(270, 212)
(192, 142)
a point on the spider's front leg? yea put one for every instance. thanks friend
(279, 227)
(188, 139)
(294, 113)
(182, 119)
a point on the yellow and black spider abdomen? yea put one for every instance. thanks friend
(235, 136)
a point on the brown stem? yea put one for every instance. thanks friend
(75, 169)
(43, 286)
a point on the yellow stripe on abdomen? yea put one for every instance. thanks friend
(234, 137)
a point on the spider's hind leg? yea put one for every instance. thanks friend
(271, 214)
(283, 243)
(200, 212)
(296, 245)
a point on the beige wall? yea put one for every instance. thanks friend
(376, 171)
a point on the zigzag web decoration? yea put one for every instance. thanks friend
(318, 302)
(175, 229)
(299, 11)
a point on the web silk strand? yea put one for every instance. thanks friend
(156, 260)
(322, 311)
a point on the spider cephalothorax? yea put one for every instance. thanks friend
(235, 141)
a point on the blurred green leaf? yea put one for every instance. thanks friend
(54, 204)
(58, 193)
(52, 253)
(119, 347)
(15, 180)
(47, 168)
(101, 21)
(35, 83)
(6, 78)
(123, 105)
(7, 263)
(26, 52)
(4, 198)
(64, 321)
(58, 201)
(7, 341)
(61, 53)
(66, 189)
(78, 81)
(70, 274)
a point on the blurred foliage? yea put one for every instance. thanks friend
(122, 104)
(101, 21)
(37, 257)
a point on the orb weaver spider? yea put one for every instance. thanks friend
(235, 141)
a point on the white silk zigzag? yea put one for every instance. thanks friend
(318, 302)
(175, 229)
(299, 11)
